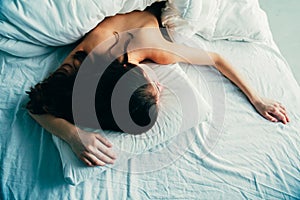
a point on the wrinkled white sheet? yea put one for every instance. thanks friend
(55, 23)
(250, 158)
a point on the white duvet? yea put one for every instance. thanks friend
(55, 23)
(237, 155)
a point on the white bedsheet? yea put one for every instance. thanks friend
(251, 158)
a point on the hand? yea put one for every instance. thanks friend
(271, 110)
(92, 148)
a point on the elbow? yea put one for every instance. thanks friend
(216, 58)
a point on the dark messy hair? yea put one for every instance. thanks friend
(54, 94)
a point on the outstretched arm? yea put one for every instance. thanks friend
(269, 109)
(91, 148)
(172, 53)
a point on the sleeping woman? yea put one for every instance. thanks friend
(51, 100)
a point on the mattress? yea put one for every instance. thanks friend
(238, 155)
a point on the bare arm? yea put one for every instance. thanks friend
(269, 109)
(172, 53)
(91, 148)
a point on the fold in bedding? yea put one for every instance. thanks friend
(56, 23)
(238, 155)
(251, 158)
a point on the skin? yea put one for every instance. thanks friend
(95, 150)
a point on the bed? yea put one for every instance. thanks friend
(233, 154)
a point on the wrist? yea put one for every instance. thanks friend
(255, 99)
(70, 134)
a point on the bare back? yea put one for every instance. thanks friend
(118, 23)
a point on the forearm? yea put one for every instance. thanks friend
(172, 53)
(91, 148)
(235, 76)
(57, 126)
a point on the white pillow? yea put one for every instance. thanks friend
(190, 17)
(55, 23)
(181, 107)
(241, 20)
(238, 20)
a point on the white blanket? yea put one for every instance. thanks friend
(241, 155)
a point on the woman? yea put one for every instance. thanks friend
(95, 150)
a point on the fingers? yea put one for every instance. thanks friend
(270, 117)
(99, 155)
(105, 150)
(277, 113)
(91, 160)
(103, 140)
(283, 111)
(104, 157)
(282, 107)
(96, 150)
(86, 161)
(280, 116)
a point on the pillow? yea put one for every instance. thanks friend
(55, 23)
(237, 20)
(190, 17)
(181, 108)
(241, 20)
